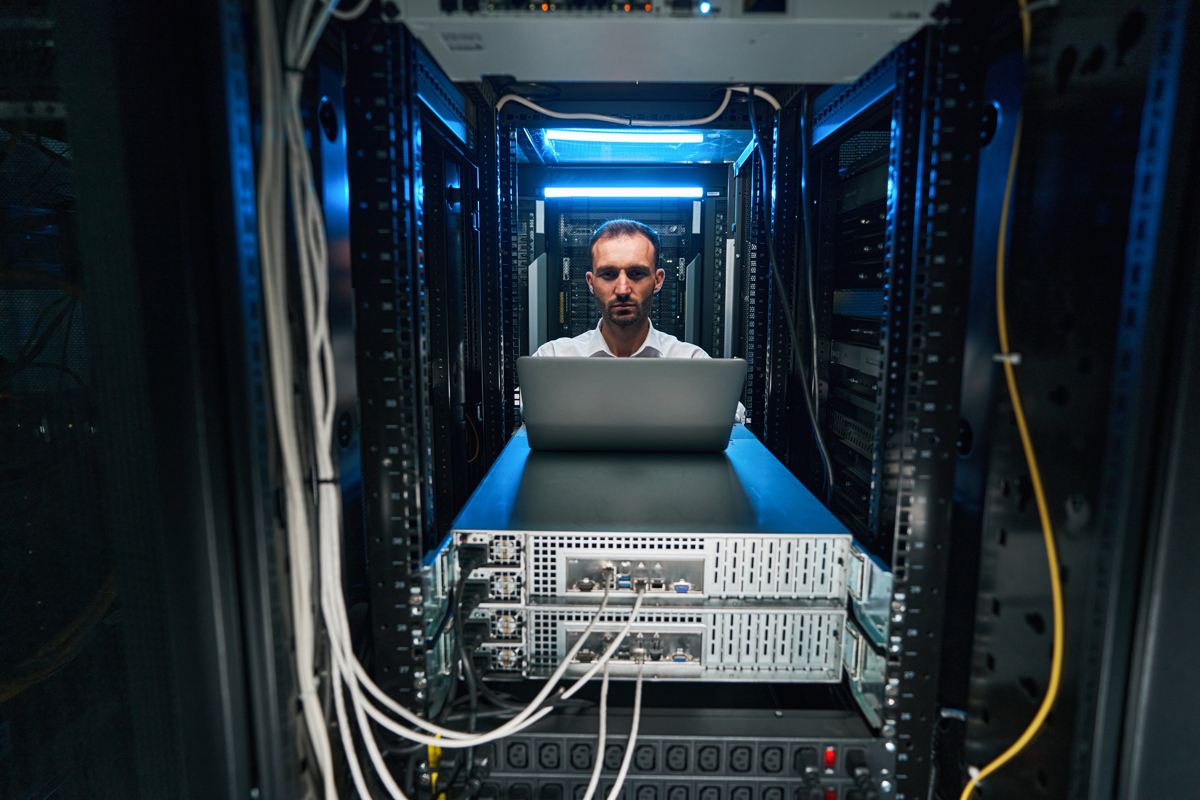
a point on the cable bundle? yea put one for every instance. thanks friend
(285, 180)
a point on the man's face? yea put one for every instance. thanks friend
(624, 279)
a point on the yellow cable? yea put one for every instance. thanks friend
(1035, 476)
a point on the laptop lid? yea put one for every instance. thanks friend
(630, 404)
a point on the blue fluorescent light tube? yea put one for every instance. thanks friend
(622, 137)
(624, 191)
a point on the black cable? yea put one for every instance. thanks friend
(810, 265)
(66, 343)
(410, 774)
(37, 324)
(443, 625)
(786, 306)
(37, 341)
(70, 373)
(467, 664)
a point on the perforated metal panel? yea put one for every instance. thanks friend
(773, 566)
(716, 607)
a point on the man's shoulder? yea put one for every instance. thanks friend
(674, 347)
(566, 346)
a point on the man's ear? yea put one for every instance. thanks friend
(588, 275)
(659, 277)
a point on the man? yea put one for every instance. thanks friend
(624, 279)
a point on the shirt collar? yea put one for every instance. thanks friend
(652, 343)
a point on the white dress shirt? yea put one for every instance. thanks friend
(592, 343)
(657, 345)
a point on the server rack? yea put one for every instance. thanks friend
(150, 585)
(1101, 323)
(894, 168)
(910, 437)
(931, 113)
(1096, 281)
(751, 286)
(427, 321)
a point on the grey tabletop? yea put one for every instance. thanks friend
(744, 489)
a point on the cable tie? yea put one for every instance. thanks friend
(1007, 358)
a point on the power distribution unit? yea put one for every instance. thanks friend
(743, 574)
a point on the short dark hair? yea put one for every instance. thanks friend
(616, 228)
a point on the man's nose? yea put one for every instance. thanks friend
(623, 286)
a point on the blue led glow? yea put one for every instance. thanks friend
(705, 8)
(624, 191)
(624, 137)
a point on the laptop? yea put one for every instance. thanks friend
(630, 404)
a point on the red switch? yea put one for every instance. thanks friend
(831, 794)
(830, 757)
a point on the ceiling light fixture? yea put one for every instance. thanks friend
(623, 137)
(624, 191)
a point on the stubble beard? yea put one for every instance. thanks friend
(625, 321)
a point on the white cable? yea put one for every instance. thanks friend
(289, 159)
(337, 622)
(353, 13)
(531, 714)
(631, 745)
(595, 780)
(644, 123)
(301, 35)
(516, 98)
(612, 647)
(339, 704)
(758, 93)
(272, 247)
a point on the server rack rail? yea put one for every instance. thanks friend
(891, 289)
